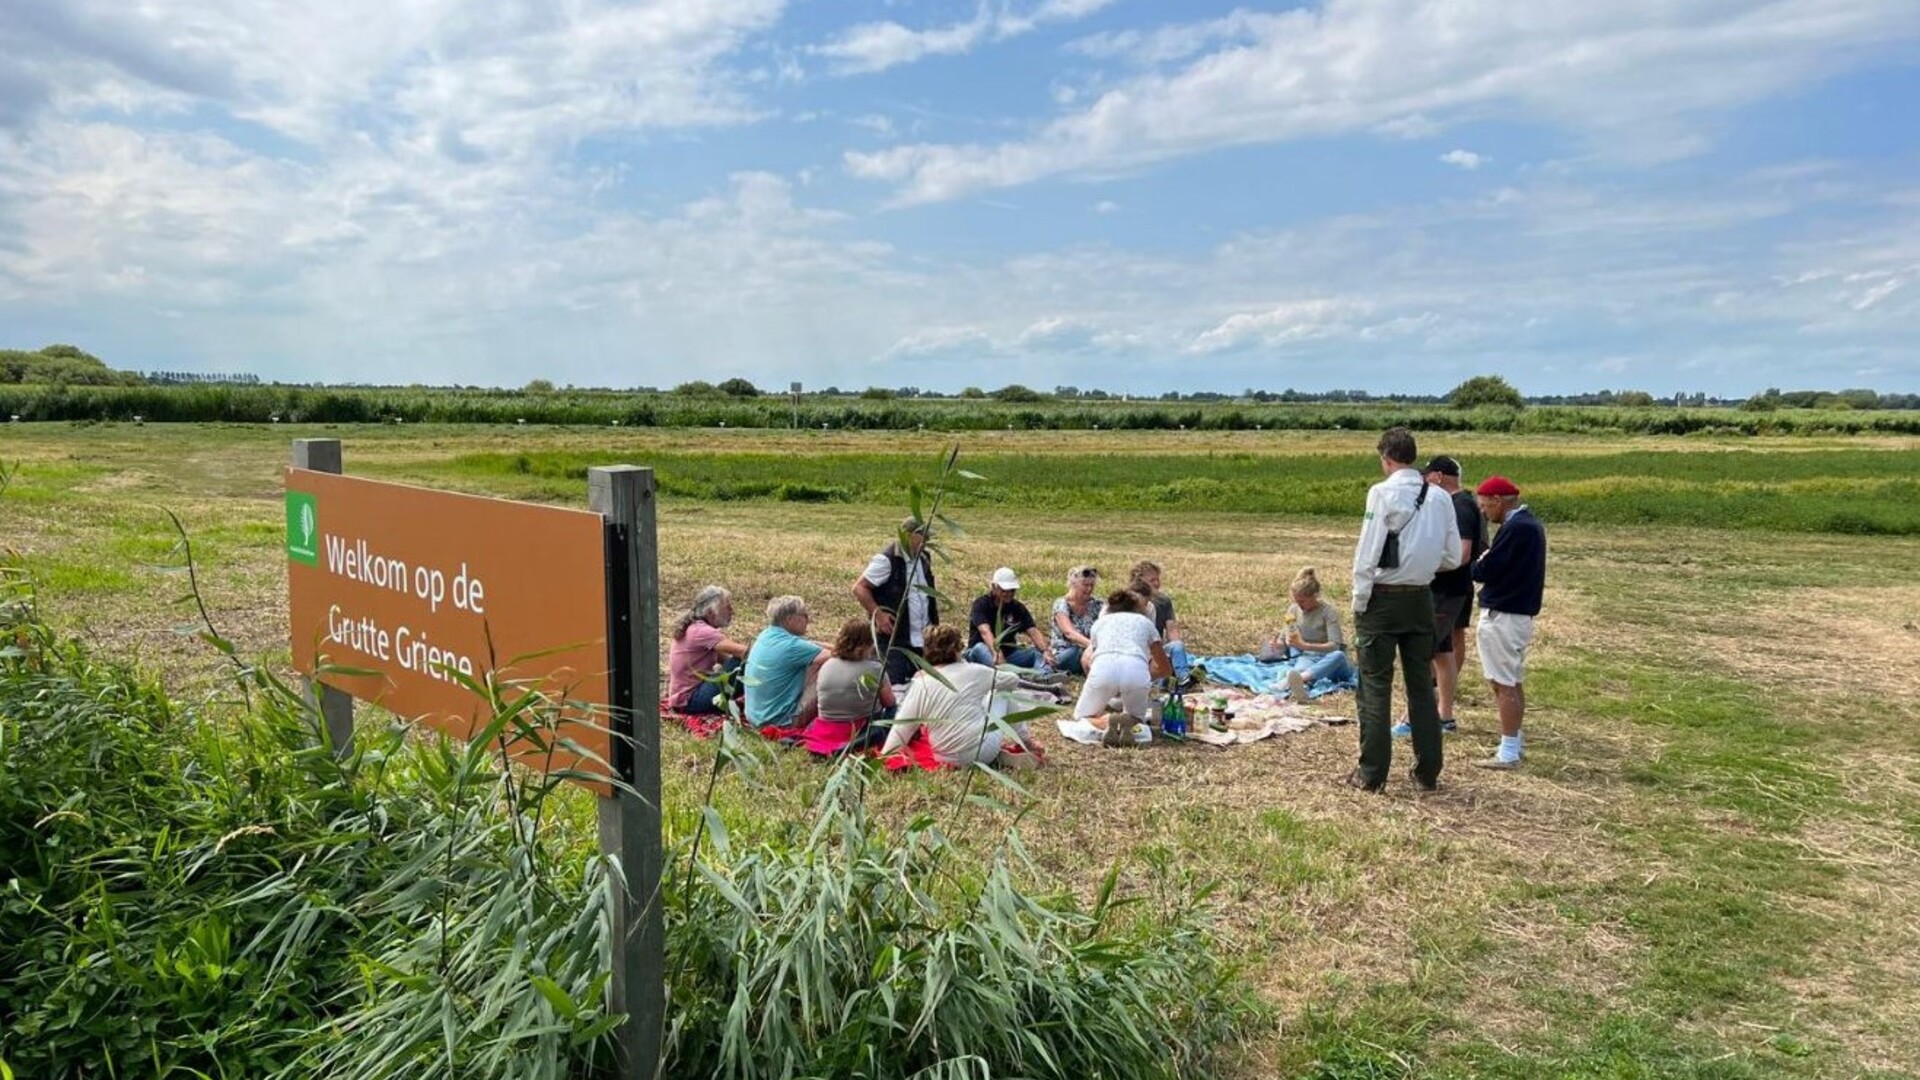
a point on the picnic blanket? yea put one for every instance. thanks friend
(1250, 717)
(1263, 676)
(705, 725)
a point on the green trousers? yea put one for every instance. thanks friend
(1398, 623)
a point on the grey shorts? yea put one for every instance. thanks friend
(1450, 613)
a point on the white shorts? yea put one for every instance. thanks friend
(1114, 676)
(1504, 638)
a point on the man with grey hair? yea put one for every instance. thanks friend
(783, 667)
(1406, 538)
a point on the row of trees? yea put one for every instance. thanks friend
(68, 365)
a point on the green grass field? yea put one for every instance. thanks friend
(1708, 868)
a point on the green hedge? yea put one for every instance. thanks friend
(359, 405)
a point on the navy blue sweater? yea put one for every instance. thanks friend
(1513, 572)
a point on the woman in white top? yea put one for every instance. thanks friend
(1123, 649)
(956, 717)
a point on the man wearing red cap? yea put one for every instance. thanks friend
(1512, 576)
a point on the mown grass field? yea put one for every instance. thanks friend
(1708, 869)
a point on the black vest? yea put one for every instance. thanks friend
(887, 597)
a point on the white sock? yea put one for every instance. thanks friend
(1509, 748)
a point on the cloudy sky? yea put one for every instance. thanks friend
(1671, 195)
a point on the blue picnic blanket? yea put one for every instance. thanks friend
(1263, 676)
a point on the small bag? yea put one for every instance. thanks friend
(1390, 551)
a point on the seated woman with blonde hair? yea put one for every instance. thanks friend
(1073, 616)
(853, 693)
(1313, 641)
(957, 715)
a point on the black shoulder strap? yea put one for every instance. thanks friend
(1421, 499)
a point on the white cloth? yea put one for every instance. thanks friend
(1123, 633)
(957, 717)
(879, 570)
(1504, 637)
(1115, 675)
(1082, 731)
(1429, 540)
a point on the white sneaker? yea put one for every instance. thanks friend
(1296, 687)
(1498, 762)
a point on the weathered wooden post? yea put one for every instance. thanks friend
(630, 821)
(336, 706)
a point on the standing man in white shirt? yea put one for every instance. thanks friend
(897, 592)
(1410, 534)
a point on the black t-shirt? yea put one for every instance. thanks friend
(1010, 619)
(1162, 612)
(1466, 510)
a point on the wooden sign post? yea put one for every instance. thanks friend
(392, 588)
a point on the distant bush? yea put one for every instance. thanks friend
(62, 365)
(1485, 390)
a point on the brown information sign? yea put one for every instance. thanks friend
(410, 583)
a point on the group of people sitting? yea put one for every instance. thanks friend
(898, 674)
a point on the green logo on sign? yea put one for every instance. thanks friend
(303, 528)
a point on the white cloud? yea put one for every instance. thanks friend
(1106, 206)
(1876, 294)
(495, 76)
(1167, 44)
(877, 46)
(1636, 77)
(1293, 321)
(1465, 159)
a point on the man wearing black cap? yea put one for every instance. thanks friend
(1453, 589)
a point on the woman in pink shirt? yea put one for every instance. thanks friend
(700, 649)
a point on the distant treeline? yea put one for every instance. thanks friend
(347, 405)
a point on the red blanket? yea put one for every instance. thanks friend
(917, 754)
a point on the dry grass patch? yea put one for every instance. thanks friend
(1858, 640)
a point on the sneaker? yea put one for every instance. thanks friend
(1402, 730)
(1296, 687)
(1422, 782)
(1119, 730)
(1498, 762)
(1449, 726)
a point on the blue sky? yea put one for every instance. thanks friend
(1391, 195)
